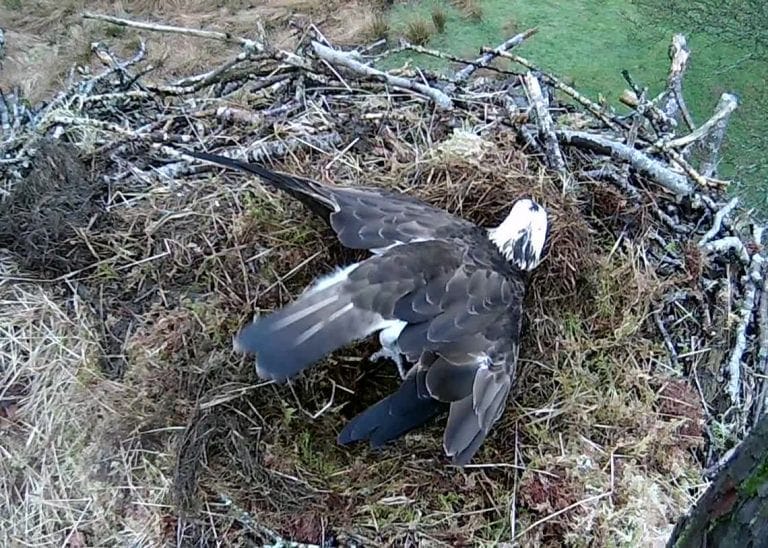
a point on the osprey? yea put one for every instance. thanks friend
(441, 292)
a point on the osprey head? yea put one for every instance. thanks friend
(521, 236)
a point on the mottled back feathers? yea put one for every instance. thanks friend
(458, 288)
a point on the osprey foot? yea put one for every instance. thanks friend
(396, 357)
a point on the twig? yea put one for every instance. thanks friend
(546, 126)
(643, 163)
(754, 276)
(667, 341)
(365, 50)
(485, 59)
(246, 520)
(718, 222)
(719, 120)
(562, 511)
(717, 125)
(407, 46)
(671, 100)
(729, 243)
(340, 58)
(200, 80)
(555, 82)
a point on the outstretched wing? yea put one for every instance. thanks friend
(362, 217)
(462, 328)
(473, 385)
(350, 305)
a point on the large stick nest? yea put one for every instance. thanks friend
(126, 417)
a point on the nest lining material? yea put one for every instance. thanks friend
(645, 342)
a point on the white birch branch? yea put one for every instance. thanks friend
(717, 126)
(644, 164)
(718, 222)
(746, 311)
(485, 59)
(545, 125)
(671, 100)
(727, 104)
(729, 243)
(340, 58)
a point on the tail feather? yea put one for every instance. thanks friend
(392, 417)
(471, 418)
(308, 192)
(296, 336)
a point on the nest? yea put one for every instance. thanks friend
(127, 268)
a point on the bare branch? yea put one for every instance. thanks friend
(487, 57)
(340, 58)
(246, 43)
(718, 222)
(727, 104)
(716, 133)
(671, 100)
(209, 34)
(545, 125)
(745, 312)
(643, 163)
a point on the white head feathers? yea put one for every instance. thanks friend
(521, 236)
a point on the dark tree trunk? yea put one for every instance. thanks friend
(734, 509)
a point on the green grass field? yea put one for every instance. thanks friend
(592, 41)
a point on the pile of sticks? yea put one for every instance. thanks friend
(312, 97)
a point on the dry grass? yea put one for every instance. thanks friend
(439, 18)
(378, 27)
(76, 465)
(470, 8)
(126, 419)
(46, 38)
(418, 31)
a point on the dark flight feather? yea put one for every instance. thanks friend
(457, 296)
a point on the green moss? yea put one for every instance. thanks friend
(759, 479)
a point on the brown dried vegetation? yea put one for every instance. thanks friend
(126, 402)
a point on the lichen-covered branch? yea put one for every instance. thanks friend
(154, 27)
(671, 100)
(746, 311)
(489, 55)
(545, 125)
(718, 121)
(712, 140)
(717, 224)
(246, 43)
(644, 164)
(340, 58)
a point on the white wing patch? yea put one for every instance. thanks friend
(337, 276)
(380, 250)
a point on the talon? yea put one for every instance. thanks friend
(377, 356)
(401, 368)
